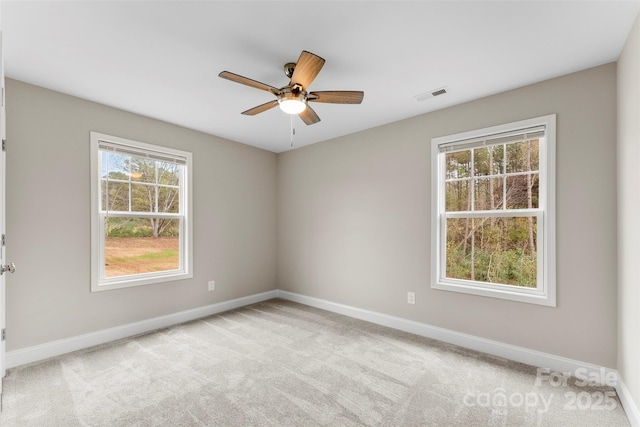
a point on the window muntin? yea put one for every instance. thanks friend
(140, 216)
(493, 211)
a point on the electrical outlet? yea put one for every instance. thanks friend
(411, 297)
(212, 285)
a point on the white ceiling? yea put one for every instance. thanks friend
(162, 59)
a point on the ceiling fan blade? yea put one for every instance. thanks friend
(337, 96)
(306, 70)
(309, 116)
(260, 108)
(249, 82)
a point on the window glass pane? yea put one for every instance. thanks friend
(131, 248)
(493, 250)
(488, 160)
(496, 157)
(103, 195)
(117, 165)
(522, 191)
(458, 197)
(168, 199)
(458, 164)
(143, 170)
(488, 194)
(168, 173)
(458, 264)
(118, 196)
(523, 156)
(104, 168)
(535, 154)
(143, 198)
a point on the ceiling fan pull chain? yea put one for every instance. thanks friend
(293, 130)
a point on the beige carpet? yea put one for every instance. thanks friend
(279, 363)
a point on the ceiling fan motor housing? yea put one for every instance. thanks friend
(293, 100)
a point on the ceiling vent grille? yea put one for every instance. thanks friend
(431, 94)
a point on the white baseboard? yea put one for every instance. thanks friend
(519, 354)
(629, 405)
(56, 348)
(496, 348)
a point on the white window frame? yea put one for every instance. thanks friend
(99, 282)
(545, 292)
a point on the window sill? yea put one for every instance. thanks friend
(526, 295)
(132, 281)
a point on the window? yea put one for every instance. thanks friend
(493, 212)
(140, 213)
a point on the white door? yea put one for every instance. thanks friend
(4, 266)
(2, 226)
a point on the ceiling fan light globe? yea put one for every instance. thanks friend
(292, 106)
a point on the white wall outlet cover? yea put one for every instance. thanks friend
(411, 297)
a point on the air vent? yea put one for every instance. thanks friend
(431, 94)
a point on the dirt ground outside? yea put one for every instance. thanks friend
(135, 255)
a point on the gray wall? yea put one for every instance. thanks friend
(354, 220)
(350, 218)
(628, 209)
(48, 218)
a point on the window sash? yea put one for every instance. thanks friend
(104, 177)
(521, 213)
(503, 176)
(104, 280)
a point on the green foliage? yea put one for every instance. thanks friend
(126, 228)
(135, 227)
(511, 267)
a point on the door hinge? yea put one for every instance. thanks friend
(4, 335)
(3, 241)
(4, 144)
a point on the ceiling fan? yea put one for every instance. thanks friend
(294, 97)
